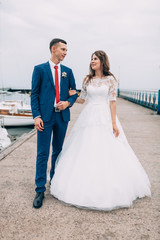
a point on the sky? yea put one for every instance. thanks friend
(128, 31)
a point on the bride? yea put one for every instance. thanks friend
(97, 169)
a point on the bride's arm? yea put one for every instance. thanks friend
(113, 116)
(79, 99)
(112, 99)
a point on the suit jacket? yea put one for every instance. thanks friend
(43, 91)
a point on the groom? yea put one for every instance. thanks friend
(50, 103)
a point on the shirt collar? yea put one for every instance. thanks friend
(52, 64)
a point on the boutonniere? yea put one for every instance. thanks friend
(64, 74)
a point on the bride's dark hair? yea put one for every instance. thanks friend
(105, 63)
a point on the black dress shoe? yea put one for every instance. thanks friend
(37, 203)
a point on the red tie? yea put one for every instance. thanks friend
(57, 84)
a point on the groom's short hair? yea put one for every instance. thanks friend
(55, 41)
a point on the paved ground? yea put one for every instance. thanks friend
(55, 221)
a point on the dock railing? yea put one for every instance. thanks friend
(149, 99)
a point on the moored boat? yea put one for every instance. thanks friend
(15, 113)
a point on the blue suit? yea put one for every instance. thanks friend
(43, 95)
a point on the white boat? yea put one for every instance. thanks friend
(4, 139)
(15, 113)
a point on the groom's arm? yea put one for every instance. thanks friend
(35, 92)
(72, 85)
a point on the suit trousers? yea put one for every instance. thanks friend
(56, 127)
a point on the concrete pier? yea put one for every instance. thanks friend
(56, 221)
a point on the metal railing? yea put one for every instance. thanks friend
(149, 99)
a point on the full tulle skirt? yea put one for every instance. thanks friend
(95, 169)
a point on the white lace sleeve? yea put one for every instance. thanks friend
(112, 89)
(83, 94)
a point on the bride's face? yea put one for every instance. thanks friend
(95, 63)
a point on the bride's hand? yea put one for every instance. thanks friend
(115, 130)
(72, 92)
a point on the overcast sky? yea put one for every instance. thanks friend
(128, 31)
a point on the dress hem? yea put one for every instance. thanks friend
(100, 209)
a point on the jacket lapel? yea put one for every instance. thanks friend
(62, 79)
(50, 73)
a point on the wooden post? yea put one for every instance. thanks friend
(158, 108)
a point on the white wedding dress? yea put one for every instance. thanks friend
(95, 169)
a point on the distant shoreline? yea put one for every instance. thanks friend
(16, 90)
(27, 90)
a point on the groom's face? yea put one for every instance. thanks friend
(59, 51)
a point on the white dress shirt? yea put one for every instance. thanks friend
(52, 64)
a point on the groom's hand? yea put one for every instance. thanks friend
(62, 105)
(39, 124)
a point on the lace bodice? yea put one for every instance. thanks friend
(100, 90)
